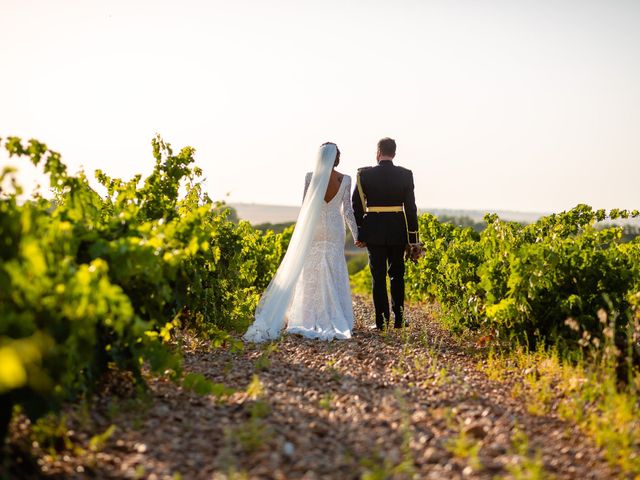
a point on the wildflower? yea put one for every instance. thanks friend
(602, 316)
(572, 324)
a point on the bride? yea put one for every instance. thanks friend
(310, 293)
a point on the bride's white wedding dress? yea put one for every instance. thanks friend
(310, 293)
(321, 306)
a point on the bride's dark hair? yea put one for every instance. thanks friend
(337, 162)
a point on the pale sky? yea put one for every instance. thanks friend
(496, 104)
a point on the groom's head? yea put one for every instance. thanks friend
(386, 149)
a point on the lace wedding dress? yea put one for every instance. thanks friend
(321, 306)
(309, 293)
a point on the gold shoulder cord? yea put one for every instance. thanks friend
(362, 197)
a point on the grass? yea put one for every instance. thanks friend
(326, 401)
(583, 392)
(51, 434)
(492, 367)
(263, 362)
(462, 445)
(255, 389)
(138, 405)
(399, 369)
(331, 368)
(250, 435)
(381, 467)
(97, 442)
(467, 448)
(529, 466)
(254, 433)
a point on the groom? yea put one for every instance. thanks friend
(386, 214)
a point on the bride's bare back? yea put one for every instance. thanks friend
(334, 185)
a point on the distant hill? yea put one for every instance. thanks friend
(478, 215)
(276, 217)
(256, 213)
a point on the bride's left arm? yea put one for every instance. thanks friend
(347, 209)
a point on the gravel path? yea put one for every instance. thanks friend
(400, 405)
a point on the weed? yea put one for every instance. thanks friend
(139, 472)
(539, 391)
(528, 467)
(424, 340)
(442, 377)
(234, 474)
(406, 466)
(463, 445)
(51, 434)
(420, 362)
(399, 369)
(202, 386)
(380, 467)
(138, 405)
(492, 368)
(262, 362)
(255, 389)
(586, 394)
(259, 409)
(254, 433)
(326, 401)
(331, 368)
(97, 442)
(466, 448)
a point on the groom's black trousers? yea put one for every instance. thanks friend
(389, 259)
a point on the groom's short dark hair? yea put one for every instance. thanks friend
(387, 146)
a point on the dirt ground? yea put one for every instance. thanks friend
(405, 404)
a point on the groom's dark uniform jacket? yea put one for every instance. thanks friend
(385, 210)
(385, 185)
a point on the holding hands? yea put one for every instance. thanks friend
(414, 252)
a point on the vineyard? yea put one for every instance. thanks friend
(525, 282)
(90, 282)
(560, 281)
(94, 283)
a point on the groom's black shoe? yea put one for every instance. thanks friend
(381, 324)
(377, 327)
(401, 324)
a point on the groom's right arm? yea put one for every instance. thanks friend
(358, 207)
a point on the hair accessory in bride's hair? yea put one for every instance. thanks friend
(337, 161)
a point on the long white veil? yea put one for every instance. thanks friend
(274, 303)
